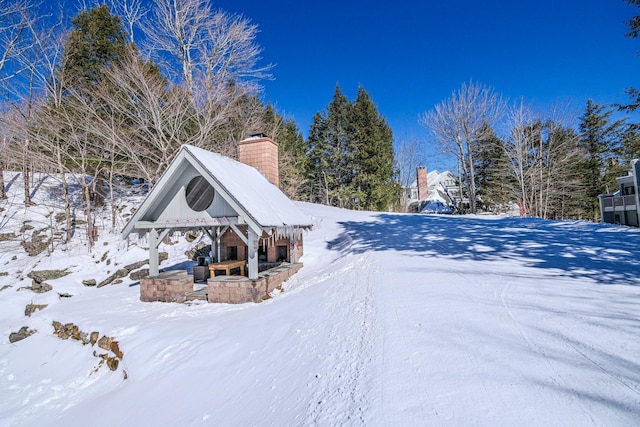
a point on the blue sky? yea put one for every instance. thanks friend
(410, 55)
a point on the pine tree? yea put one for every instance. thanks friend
(634, 32)
(630, 148)
(97, 40)
(292, 153)
(492, 172)
(328, 145)
(599, 140)
(374, 185)
(351, 159)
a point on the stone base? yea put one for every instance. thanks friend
(239, 289)
(169, 286)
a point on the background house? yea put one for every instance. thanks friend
(439, 188)
(623, 206)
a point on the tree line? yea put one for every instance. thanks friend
(540, 161)
(113, 94)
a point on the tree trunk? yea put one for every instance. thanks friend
(26, 175)
(91, 232)
(3, 193)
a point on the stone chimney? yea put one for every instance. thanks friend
(423, 186)
(261, 152)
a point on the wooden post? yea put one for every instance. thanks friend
(252, 256)
(154, 265)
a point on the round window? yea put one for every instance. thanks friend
(199, 194)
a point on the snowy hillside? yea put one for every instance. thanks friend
(395, 320)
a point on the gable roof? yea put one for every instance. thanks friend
(261, 204)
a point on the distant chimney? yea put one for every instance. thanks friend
(261, 152)
(423, 186)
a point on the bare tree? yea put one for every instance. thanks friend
(16, 19)
(217, 55)
(519, 149)
(132, 12)
(460, 122)
(408, 157)
(541, 153)
(31, 50)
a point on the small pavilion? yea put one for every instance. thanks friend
(245, 216)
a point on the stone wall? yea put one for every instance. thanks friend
(238, 289)
(170, 286)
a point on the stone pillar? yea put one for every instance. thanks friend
(170, 286)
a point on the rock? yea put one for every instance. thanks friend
(23, 333)
(191, 236)
(64, 295)
(40, 288)
(3, 273)
(5, 287)
(42, 275)
(112, 363)
(136, 265)
(198, 250)
(7, 236)
(123, 272)
(32, 308)
(69, 330)
(105, 343)
(115, 348)
(93, 338)
(37, 245)
(26, 227)
(89, 282)
(137, 275)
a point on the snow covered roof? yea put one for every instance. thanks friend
(240, 191)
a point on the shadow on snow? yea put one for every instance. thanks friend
(604, 253)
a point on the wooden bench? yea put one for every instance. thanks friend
(226, 266)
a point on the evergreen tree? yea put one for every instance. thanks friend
(291, 152)
(351, 159)
(599, 140)
(98, 39)
(634, 31)
(371, 158)
(630, 148)
(492, 172)
(328, 152)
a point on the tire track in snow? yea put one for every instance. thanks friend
(440, 405)
(340, 396)
(555, 375)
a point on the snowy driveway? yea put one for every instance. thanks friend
(395, 320)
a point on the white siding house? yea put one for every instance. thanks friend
(623, 206)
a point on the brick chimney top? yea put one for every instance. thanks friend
(261, 152)
(423, 185)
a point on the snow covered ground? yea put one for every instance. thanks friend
(395, 320)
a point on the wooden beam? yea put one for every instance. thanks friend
(188, 223)
(239, 233)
